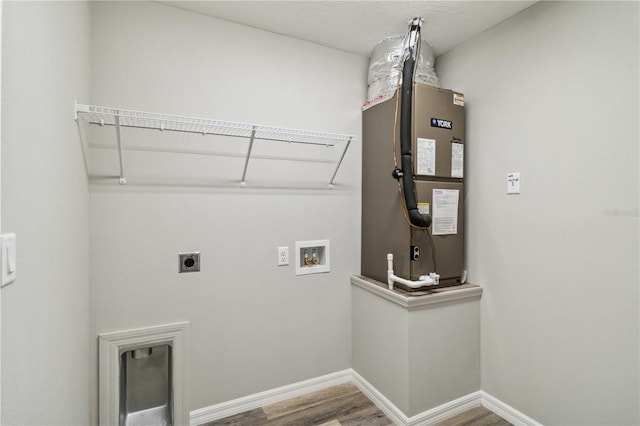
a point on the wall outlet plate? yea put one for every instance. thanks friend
(283, 256)
(189, 262)
(312, 257)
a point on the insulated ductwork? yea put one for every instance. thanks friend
(385, 66)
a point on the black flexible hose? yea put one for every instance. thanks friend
(408, 185)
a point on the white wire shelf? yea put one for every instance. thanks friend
(118, 117)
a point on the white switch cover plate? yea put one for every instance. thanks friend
(8, 258)
(513, 183)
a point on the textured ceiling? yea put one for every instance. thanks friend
(357, 26)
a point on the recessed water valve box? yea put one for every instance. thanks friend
(189, 262)
(312, 257)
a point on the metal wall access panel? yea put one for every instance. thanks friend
(384, 228)
(146, 391)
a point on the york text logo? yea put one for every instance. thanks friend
(443, 124)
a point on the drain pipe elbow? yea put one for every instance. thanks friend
(424, 280)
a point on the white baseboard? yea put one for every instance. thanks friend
(251, 402)
(429, 417)
(446, 410)
(506, 411)
(387, 407)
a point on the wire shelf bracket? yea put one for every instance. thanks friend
(120, 118)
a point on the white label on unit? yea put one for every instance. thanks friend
(423, 208)
(445, 212)
(458, 99)
(426, 157)
(457, 160)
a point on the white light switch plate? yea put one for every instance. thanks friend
(8, 258)
(513, 183)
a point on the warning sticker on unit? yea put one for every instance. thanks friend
(426, 157)
(457, 160)
(445, 212)
(423, 208)
(458, 99)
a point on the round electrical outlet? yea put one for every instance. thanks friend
(189, 262)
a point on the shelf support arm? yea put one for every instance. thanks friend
(340, 162)
(123, 179)
(243, 182)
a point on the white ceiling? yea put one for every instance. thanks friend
(357, 26)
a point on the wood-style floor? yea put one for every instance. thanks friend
(342, 405)
(478, 416)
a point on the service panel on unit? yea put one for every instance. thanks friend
(438, 134)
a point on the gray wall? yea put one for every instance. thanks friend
(254, 326)
(553, 93)
(45, 313)
(380, 346)
(444, 353)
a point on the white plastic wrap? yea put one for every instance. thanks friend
(384, 67)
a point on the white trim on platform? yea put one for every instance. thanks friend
(506, 411)
(256, 400)
(432, 298)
